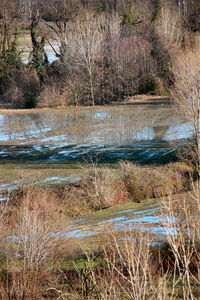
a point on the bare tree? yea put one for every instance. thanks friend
(80, 47)
(60, 13)
(186, 93)
(38, 218)
(183, 6)
(181, 223)
(170, 26)
(129, 265)
(129, 59)
(9, 22)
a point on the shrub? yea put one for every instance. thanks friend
(50, 96)
(20, 89)
(158, 181)
(151, 84)
(182, 227)
(35, 244)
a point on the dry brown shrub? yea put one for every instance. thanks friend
(51, 96)
(182, 225)
(35, 244)
(140, 183)
(21, 284)
(48, 203)
(19, 87)
(185, 96)
(40, 213)
(99, 186)
(95, 191)
(14, 96)
(75, 89)
(28, 81)
(128, 271)
(3, 224)
(129, 262)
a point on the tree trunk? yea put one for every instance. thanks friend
(92, 89)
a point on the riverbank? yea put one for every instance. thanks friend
(132, 100)
(147, 99)
(97, 188)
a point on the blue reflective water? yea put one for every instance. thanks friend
(146, 218)
(145, 134)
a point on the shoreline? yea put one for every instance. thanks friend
(132, 100)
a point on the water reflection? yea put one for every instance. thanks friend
(146, 218)
(25, 55)
(131, 132)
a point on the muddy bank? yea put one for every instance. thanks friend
(137, 99)
(147, 99)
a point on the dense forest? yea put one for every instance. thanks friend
(108, 49)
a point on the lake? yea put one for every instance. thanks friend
(143, 134)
